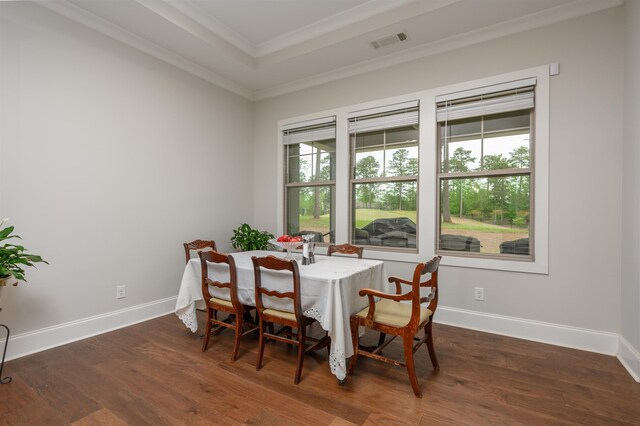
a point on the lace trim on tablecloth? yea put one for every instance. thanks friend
(337, 360)
(188, 317)
(338, 364)
(313, 313)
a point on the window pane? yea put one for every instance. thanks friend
(367, 166)
(486, 215)
(460, 156)
(402, 162)
(506, 121)
(502, 143)
(311, 210)
(466, 128)
(384, 214)
(404, 136)
(503, 152)
(311, 161)
(395, 151)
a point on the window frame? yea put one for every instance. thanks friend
(383, 179)
(426, 210)
(511, 172)
(331, 183)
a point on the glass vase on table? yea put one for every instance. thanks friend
(287, 246)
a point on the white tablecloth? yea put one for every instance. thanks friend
(329, 293)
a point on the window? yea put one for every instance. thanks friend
(460, 170)
(485, 171)
(384, 176)
(310, 157)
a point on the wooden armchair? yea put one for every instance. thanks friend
(390, 316)
(289, 320)
(198, 245)
(345, 249)
(231, 305)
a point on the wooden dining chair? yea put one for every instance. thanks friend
(229, 304)
(198, 245)
(390, 316)
(345, 249)
(289, 320)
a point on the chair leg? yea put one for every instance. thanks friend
(432, 351)
(381, 339)
(408, 356)
(301, 347)
(260, 346)
(219, 329)
(289, 332)
(236, 340)
(354, 339)
(207, 333)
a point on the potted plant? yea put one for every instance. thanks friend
(13, 258)
(246, 238)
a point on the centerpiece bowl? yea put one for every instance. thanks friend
(286, 245)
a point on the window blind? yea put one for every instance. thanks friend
(325, 129)
(384, 118)
(485, 104)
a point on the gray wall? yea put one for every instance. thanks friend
(582, 288)
(631, 184)
(109, 161)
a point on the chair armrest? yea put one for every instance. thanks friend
(375, 293)
(399, 281)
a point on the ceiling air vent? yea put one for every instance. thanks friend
(387, 40)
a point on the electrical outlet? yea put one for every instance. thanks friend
(121, 291)
(479, 294)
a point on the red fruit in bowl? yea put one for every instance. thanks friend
(296, 240)
(284, 238)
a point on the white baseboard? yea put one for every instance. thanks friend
(630, 358)
(559, 335)
(61, 334)
(537, 331)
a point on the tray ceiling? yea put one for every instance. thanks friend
(264, 48)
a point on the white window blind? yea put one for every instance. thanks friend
(505, 97)
(406, 115)
(318, 132)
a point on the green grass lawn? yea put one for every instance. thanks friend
(366, 216)
(308, 223)
(464, 224)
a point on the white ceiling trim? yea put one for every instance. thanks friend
(336, 36)
(547, 17)
(80, 15)
(213, 24)
(338, 21)
(175, 17)
(570, 10)
(325, 26)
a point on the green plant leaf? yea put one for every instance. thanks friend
(13, 257)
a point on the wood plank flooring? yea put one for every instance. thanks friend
(154, 373)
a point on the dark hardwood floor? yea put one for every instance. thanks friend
(154, 373)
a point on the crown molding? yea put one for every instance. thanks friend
(554, 15)
(170, 14)
(212, 24)
(563, 12)
(116, 32)
(347, 18)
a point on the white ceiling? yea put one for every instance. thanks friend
(264, 48)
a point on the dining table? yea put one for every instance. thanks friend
(329, 293)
